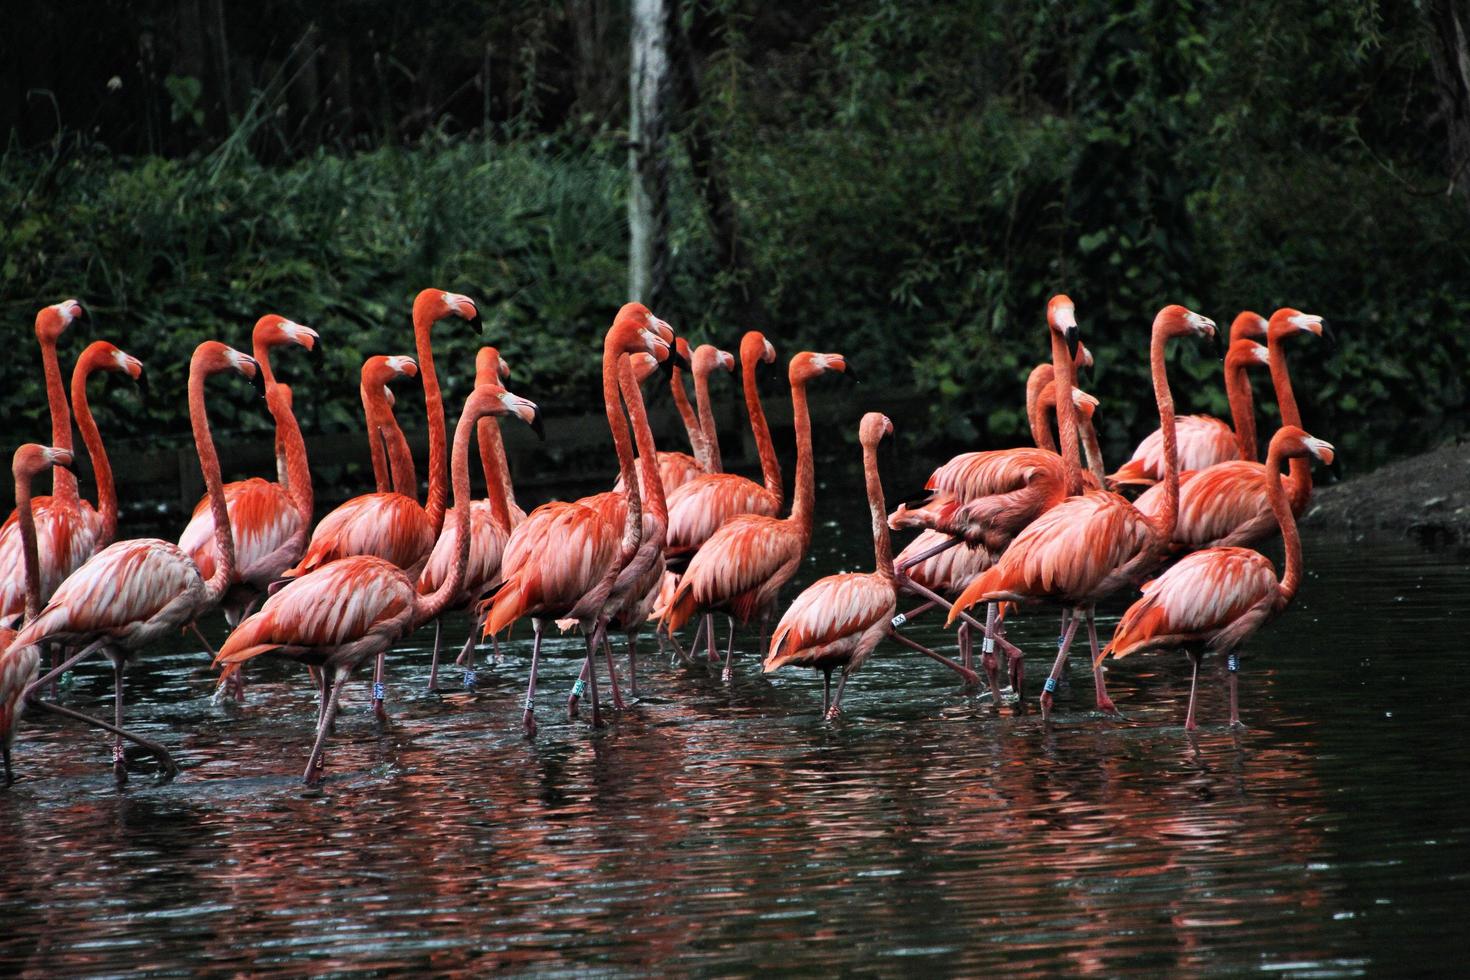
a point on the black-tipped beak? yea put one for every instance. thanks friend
(258, 379)
(537, 426)
(478, 323)
(1329, 338)
(143, 388)
(850, 373)
(667, 365)
(1073, 337)
(1217, 340)
(317, 355)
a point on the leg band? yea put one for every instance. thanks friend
(1051, 685)
(1232, 662)
(377, 690)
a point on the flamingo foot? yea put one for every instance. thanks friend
(727, 675)
(1106, 706)
(528, 722)
(1046, 704)
(833, 713)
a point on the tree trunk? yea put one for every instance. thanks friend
(1449, 52)
(648, 204)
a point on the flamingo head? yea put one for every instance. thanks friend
(31, 460)
(1287, 321)
(213, 357)
(1083, 358)
(1291, 441)
(808, 365)
(755, 348)
(274, 330)
(874, 427)
(1248, 324)
(643, 366)
(52, 321)
(103, 356)
(380, 370)
(1246, 353)
(1178, 321)
(490, 366)
(491, 399)
(1086, 404)
(636, 329)
(681, 348)
(1061, 316)
(433, 305)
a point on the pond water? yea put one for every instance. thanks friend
(726, 828)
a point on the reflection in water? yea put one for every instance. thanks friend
(728, 828)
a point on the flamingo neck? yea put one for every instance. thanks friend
(400, 460)
(430, 606)
(29, 549)
(63, 480)
(648, 477)
(882, 547)
(690, 420)
(224, 540)
(770, 469)
(492, 457)
(1040, 376)
(1093, 450)
(1166, 520)
(1292, 579)
(373, 423)
(1242, 410)
(434, 409)
(1301, 470)
(1065, 377)
(707, 423)
(803, 501)
(297, 466)
(101, 467)
(622, 442)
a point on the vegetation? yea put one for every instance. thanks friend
(906, 182)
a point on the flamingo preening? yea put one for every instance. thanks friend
(1225, 504)
(1204, 440)
(1092, 544)
(353, 609)
(393, 469)
(837, 621)
(134, 592)
(1214, 600)
(742, 566)
(393, 526)
(562, 561)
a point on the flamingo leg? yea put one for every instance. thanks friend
(987, 654)
(119, 761)
(835, 708)
(314, 761)
(966, 649)
(1099, 684)
(612, 671)
(592, 641)
(1065, 645)
(1232, 673)
(1189, 723)
(922, 607)
(494, 649)
(902, 570)
(971, 678)
(528, 719)
(170, 770)
(466, 659)
(709, 630)
(927, 593)
(434, 661)
(728, 674)
(826, 690)
(63, 667)
(379, 690)
(208, 647)
(633, 662)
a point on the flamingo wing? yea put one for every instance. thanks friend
(65, 538)
(740, 568)
(699, 507)
(949, 571)
(1202, 440)
(829, 619)
(487, 547)
(558, 555)
(1206, 593)
(389, 526)
(1224, 504)
(674, 470)
(265, 524)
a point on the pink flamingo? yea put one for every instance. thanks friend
(837, 621)
(269, 519)
(490, 524)
(134, 592)
(708, 359)
(562, 562)
(742, 566)
(1090, 545)
(393, 470)
(354, 609)
(678, 468)
(393, 526)
(1215, 599)
(1224, 504)
(1203, 439)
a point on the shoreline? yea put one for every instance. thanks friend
(1425, 498)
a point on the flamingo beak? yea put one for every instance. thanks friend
(849, 373)
(1073, 336)
(477, 323)
(536, 424)
(1329, 338)
(143, 388)
(60, 457)
(1217, 340)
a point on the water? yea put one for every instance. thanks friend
(723, 829)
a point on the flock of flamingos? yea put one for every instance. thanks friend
(675, 541)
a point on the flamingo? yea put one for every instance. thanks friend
(393, 526)
(708, 359)
(134, 592)
(1224, 505)
(561, 563)
(1203, 439)
(678, 468)
(490, 522)
(742, 566)
(393, 470)
(269, 519)
(837, 621)
(1214, 600)
(1090, 545)
(348, 611)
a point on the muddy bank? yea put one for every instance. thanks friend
(1425, 497)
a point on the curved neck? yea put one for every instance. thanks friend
(648, 476)
(1292, 579)
(1165, 521)
(1065, 376)
(224, 570)
(29, 551)
(429, 606)
(1301, 470)
(492, 459)
(101, 467)
(63, 480)
(618, 425)
(1093, 450)
(707, 424)
(1040, 376)
(400, 459)
(770, 469)
(297, 466)
(1242, 409)
(690, 420)
(882, 547)
(803, 500)
(434, 409)
(373, 424)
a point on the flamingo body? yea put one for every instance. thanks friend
(837, 621)
(1224, 505)
(487, 548)
(66, 535)
(552, 563)
(739, 569)
(389, 526)
(1203, 441)
(701, 506)
(1216, 598)
(265, 522)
